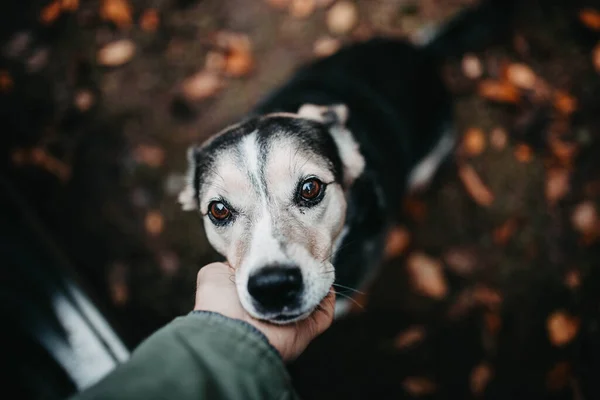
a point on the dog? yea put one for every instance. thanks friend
(300, 194)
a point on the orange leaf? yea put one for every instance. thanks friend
(51, 12)
(154, 223)
(70, 5)
(521, 76)
(149, 20)
(562, 328)
(480, 377)
(502, 92)
(474, 186)
(474, 141)
(590, 18)
(116, 11)
(397, 241)
(419, 386)
(6, 82)
(426, 275)
(409, 337)
(523, 153)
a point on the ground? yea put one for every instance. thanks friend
(490, 285)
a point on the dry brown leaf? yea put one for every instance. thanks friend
(504, 232)
(596, 57)
(493, 323)
(562, 328)
(51, 12)
(559, 376)
(150, 155)
(475, 186)
(419, 386)
(471, 66)
(480, 377)
(215, 61)
(498, 138)
(201, 86)
(565, 152)
(523, 153)
(427, 275)
(397, 241)
(69, 5)
(486, 296)
(238, 63)
(150, 20)
(460, 260)
(342, 17)
(116, 11)
(116, 53)
(473, 141)
(409, 337)
(573, 279)
(154, 222)
(302, 8)
(521, 76)
(557, 184)
(590, 18)
(502, 92)
(326, 46)
(564, 102)
(585, 218)
(84, 100)
(6, 82)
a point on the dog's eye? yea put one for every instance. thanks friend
(310, 192)
(219, 211)
(310, 189)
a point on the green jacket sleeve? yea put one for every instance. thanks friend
(200, 356)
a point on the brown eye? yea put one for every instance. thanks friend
(219, 211)
(310, 189)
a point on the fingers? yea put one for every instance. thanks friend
(217, 271)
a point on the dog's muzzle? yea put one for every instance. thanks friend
(277, 290)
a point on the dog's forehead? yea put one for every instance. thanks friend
(269, 143)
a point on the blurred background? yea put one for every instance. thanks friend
(491, 287)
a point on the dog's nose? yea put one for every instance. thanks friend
(274, 288)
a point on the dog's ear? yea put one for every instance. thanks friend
(188, 196)
(335, 117)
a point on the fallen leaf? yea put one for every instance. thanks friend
(302, 8)
(585, 218)
(564, 102)
(149, 20)
(596, 57)
(326, 46)
(557, 184)
(488, 297)
(498, 138)
(69, 5)
(409, 337)
(473, 142)
(84, 100)
(590, 18)
(573, 279)
(562, 328)
(397, 241)
(419, 386)
(154, 222)
(342, 17)
(498, 91)
(523, 153)
(201, 85)
(116, 11)
(238, 63)
(427, 275)
(475, 186)
(415, 208)
(564, 151)
(460, 260)
(116, 53)
(493, 323)
(51, 12)
(504, 232)
(150, 155)
(559, 376)
(480, 378)
(6, 82)
(521, 76)
(471, 66)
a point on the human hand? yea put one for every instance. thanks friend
(216, 292)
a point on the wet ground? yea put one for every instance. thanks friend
(490, 288)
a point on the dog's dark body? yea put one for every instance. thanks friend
(399, 108)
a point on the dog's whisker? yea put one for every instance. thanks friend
(348, 288)
(349, 298)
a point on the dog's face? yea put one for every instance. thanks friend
(272, 193)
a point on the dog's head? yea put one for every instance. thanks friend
(272, 193)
